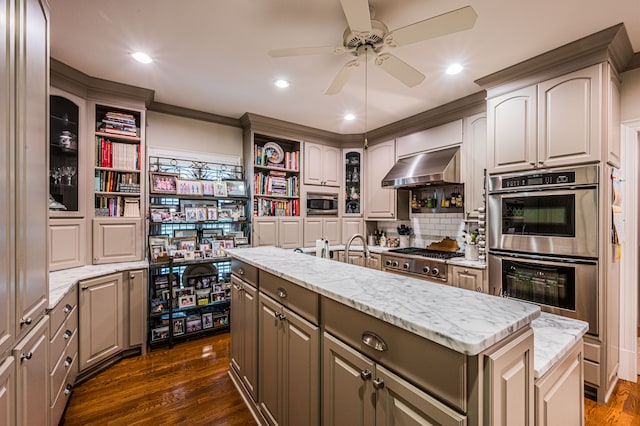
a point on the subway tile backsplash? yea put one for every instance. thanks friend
(428, 227)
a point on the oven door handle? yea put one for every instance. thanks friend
(536, 258)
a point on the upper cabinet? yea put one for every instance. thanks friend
(321, 165)
(383, 203)
(474, 161)
(437, 137)
(557, 122)
(353, 159)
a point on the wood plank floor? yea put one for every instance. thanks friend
(189, 385)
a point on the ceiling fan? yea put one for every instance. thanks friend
(366, 38)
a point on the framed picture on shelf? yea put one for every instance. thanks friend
(158, 305)
(189, 187)
(204, 245)
(158, 240)
(191, 214)
(225, 214)
(236, 188)
(189, 255)
(218, 248)
(158, 214)
(163, 183)
(160, 333)
(207, 187)
(178, 326)
(184, 233)
(194, 323)
(202, 297)
(157, 252)
(207, 320)
(219, 188)
(241, 241)
(208, 254)
(178, 255)
(186, 244)
(212, 232)
(184, 291)
(187, 301)
(212, 213)
(201, 213)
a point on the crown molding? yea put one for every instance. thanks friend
(634, 62)
(78, 83)
(609, 45)
(261, 124)
(194, 114)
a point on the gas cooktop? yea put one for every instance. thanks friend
(423, 252)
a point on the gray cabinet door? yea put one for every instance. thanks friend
(347, 390)
(137, 307)
(401, 403)
(301, 371)
(31, 355)
(8, 392)
(244, 333)
(32, 88)
(270, 358)
(101, 319)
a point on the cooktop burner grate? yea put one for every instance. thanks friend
(434, 254)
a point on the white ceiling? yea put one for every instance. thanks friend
(211, 55)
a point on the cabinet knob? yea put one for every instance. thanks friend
(532, 163)
(282, 293)
(241, 271)
(131, 277)
(378, 383)
(26, 356)
(68, 361)
(67, 390)
(67, 334)
(67, 308)
(365, 374)
(26, 321)
(466, 271)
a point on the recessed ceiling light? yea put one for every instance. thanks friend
(281, 83)
(349, 117)
(454, 69)
(142, 57)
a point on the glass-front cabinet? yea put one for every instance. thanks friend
(64, 159)
(352, 182)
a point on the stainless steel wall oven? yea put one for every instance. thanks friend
(543, 240)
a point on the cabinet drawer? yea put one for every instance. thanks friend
(591, 372)
(57, 408)
(66, 366)
(62, 310)
(63, 337)
(443, 373)
(245, 271)
(592, 352)
(300, 300)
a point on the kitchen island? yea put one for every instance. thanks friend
(379, 346)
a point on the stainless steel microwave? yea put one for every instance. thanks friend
(322, 204)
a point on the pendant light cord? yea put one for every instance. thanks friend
(366, 84)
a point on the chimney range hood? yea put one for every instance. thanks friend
(430, 168)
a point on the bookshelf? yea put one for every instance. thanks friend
(118, 162)
(276, 177)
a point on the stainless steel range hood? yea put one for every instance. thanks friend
(431, 168)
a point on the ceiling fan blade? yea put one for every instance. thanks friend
(357, 14)
(342, 77)
(300, 51)
(447, 23)
(399, 69)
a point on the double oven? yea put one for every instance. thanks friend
(543, 240)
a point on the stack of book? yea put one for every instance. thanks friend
(276, 183)
(117, 155)
(118, 123)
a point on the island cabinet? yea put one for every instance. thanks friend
(556, 122)
(244, 329)
(288, 353)
(7, 391)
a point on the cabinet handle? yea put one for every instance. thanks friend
(26, 321)
(374, 341)
(68, 361)
(67, 390)
(67, 308)
(532, 163)
(241, 271)
(479, 289)
(84, 287)
(365, 374)
(67, 334)
(378, 383)
(237, 287)
(466, 271)
(282, 293)
(26, 356)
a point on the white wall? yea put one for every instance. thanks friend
(176, 134)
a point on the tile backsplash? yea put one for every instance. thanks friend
(428, 227)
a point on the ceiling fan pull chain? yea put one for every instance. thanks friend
(366, 84)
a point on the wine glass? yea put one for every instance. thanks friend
(69, 172)
(55, 174)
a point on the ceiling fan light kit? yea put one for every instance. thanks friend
(365, 38)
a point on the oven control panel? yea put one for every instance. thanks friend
(539, 179)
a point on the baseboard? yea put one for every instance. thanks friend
(246, 397)
(628, 366)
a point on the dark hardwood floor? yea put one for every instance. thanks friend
(189, 385)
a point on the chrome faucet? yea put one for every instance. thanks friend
(364, 244)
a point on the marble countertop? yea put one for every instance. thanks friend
(61, 282)
(465, 321)
(553, 337)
